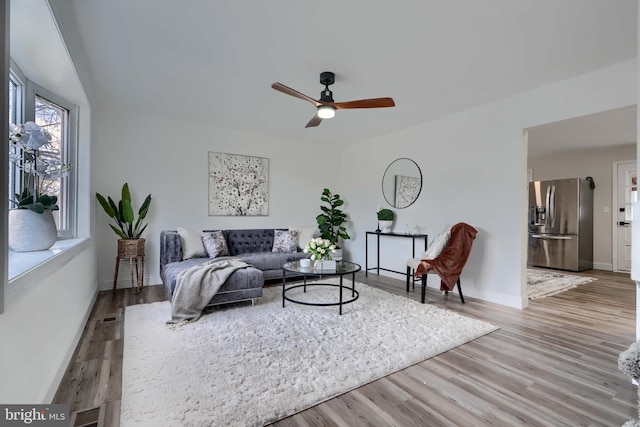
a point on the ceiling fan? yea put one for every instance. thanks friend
(326, 105)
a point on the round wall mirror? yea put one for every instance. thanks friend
(402, 183)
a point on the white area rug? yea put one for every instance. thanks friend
(249, 366)
(542, 284)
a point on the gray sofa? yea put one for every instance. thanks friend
(253, 246)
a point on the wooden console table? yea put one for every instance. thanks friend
(413, 238)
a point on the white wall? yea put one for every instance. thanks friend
(474, 169)
(168, 159)
(41, 329)
(597, 163)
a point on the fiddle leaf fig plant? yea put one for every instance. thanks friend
(124, 215)
(331, 220)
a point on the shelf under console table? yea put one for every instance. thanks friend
(378, 235)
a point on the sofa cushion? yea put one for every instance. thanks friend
(285, 241)
(270, 260)
(242, 279)
(247, 241)
(192, 246)
(215, 244)
(437, 246)
(305, 234)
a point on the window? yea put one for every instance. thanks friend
(55, 120)
(15, 116)
(58, 117)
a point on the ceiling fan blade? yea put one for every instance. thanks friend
(286, 89)
(315, 121)
(365, 103)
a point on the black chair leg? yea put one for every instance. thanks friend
(424, 288)
(408, 277)
(460, 291)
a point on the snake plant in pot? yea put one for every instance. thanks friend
(128, 228)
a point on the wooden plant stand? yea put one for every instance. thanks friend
(133, 251)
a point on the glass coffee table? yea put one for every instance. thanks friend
(342, 268)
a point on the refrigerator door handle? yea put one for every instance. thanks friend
(546, 236)
(548, 205)
(532, 216)
(552, 206)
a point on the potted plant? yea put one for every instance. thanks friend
(331, 220)
(31, 223)
(321, 251)
(129, 228)
(385, 219)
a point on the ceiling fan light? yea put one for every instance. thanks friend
(326, 112)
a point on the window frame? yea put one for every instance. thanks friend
(18, 78)
(70, 214)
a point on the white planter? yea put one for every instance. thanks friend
(385, 226)
(30, 231)
(325, 264)
(305, 263)
(337, 255)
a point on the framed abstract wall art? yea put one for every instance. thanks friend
(238, 185)
(407, 190)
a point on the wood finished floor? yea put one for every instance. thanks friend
(553, 364)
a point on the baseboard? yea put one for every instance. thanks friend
(49, 393)
(107, 285)
(602, 266)
(494, 297)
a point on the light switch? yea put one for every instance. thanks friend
(605, 209)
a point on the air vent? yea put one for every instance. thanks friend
(109, 318)
(91, 417)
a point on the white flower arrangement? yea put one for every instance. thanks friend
(28, 145)
(319, 248)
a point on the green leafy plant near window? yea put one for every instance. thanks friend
(128, 227)
(331, 220)
(385, 215)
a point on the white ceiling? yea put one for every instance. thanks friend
(609, 128)
(214, 61)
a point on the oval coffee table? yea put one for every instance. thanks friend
(342, 268)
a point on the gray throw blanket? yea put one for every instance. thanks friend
(196, 286)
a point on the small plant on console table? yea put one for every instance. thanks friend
(385, 219)
(386, 215)
(331, 220)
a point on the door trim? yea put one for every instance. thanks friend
(614, 211)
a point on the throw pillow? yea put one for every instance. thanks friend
(437, 246)
(305, 234)
(215, 244)
(285, 241)
(192, 246)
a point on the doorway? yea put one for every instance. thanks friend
(625, 186)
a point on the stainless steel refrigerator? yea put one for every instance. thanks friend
(561, 224)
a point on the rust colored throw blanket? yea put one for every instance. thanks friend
(452, 259)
